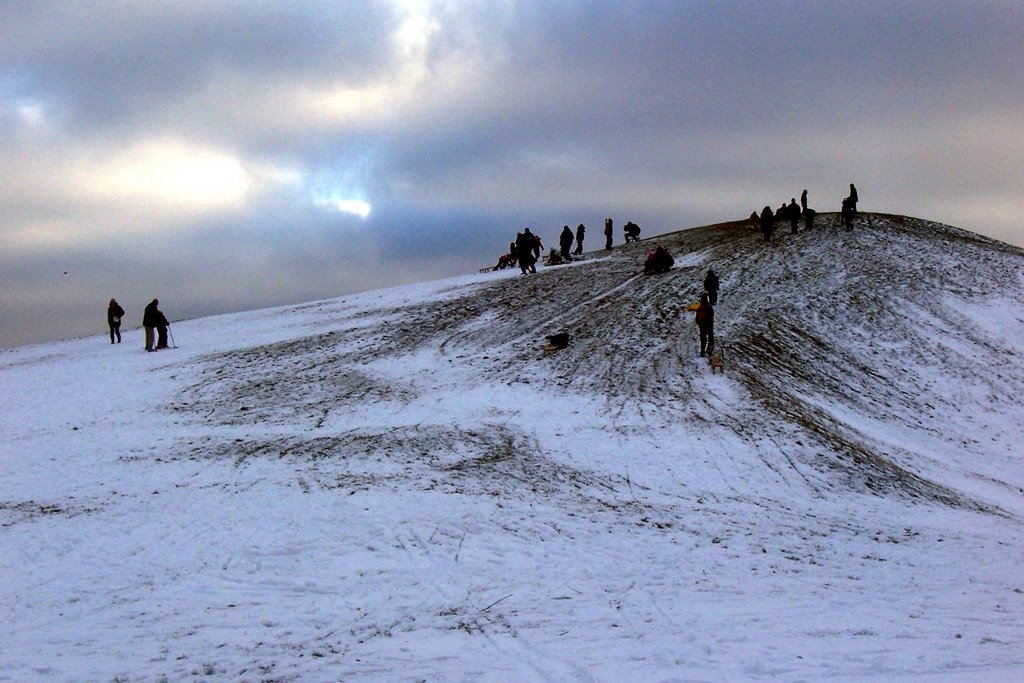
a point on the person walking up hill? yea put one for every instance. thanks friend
(114, 315)
(705, 319)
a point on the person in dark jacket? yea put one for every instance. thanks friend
(847, 213)
(150, 318)
(607, 233)
(767, 220)
(161, 329)
(803, 200)
(809, 215)
(711, 286)
(853, 199)
(524, 246)
(580, 230)
(658, 261)
(565, 242)
(631, 231)
(794, 214)
(114, 315)
(705, 319)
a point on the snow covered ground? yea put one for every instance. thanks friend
(400, 485)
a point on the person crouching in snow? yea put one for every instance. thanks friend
(705, 319)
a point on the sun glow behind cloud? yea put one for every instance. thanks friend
(173, 173)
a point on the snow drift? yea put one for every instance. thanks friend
(401, 485)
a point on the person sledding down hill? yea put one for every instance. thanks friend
(632, 231)
(658, 261)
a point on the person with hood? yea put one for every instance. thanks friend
(150, 319)
(767, 219)
(711, 286)
(580, 230)
(565, 242)
(803, 200)
(853, 199)
(705, 319)
(114, 315)
(607, 233)
(794, 214)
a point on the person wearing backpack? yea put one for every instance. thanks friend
(705, 319)
(114, 315)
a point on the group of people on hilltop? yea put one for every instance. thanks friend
(154, 322)
(529, 244)
(792, 212)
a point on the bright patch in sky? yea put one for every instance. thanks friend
(353, 206)
(172, 172)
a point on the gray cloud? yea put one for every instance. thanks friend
(192, 150)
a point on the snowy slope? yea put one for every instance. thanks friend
(400, 485)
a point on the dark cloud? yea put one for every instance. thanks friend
(459, 125)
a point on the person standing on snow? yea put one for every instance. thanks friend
(711, 286)
(580, 230)
(565, 242)
(853, 199)
(114, 315)
(767, 219)
(705, 319)
(803, 200)
(794, 214)
(607, 233)
(524, 245)
(150, 319)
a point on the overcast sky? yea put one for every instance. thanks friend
(225, 156)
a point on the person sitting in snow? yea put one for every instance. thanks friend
(658, 261)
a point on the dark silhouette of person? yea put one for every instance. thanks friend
(150, 320)
(809, 215)
(658, 261)
(580, 232)
(607, 233)
(632, 231)
(565, 242)
(161, 329)
(705, 319)
(114, 315)
(794, 214)
(803, 200)
(853, 199)
(847, 213)
(524, 247)
(711, 286)
(767, 220)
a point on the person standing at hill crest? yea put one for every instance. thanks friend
(580, 232)
(565, 242)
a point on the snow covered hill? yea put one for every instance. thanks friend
(401, 485)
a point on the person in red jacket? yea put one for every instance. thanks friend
(705, 319)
